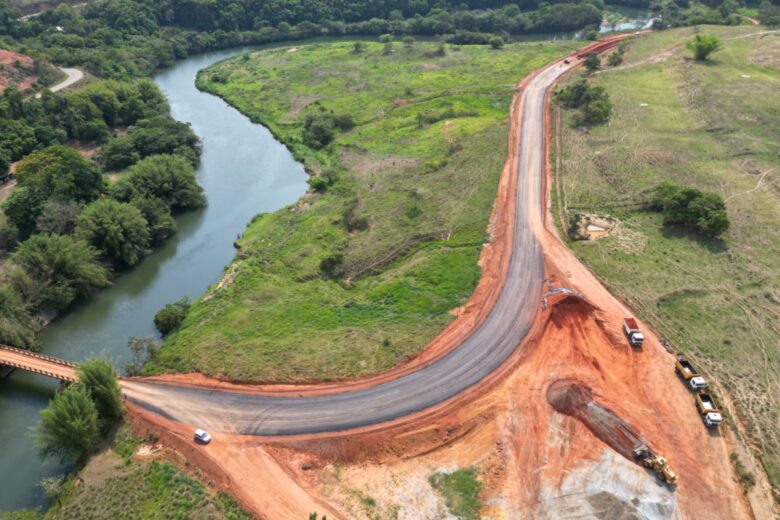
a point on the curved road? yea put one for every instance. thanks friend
(467, 364)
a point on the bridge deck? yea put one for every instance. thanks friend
(38, 363)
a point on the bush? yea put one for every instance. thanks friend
(690, 207)
(142, 350)
(318, 184)
(117, 229)
(592, 61)
(496, 42)
(702, 46)
(593, 102)
(332, 267)
(169, 318)
(69, 426)
(99, 378)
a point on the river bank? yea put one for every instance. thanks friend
(243, 171)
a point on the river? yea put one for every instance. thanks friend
(244, 171)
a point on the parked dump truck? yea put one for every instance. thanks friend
(692, 378)
(655, 462)
(709, 412)
(634, 335)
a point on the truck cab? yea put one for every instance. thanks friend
(634, 335)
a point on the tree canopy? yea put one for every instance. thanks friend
(703, 45)
(117, 229)
(69, 425)
(692, 208)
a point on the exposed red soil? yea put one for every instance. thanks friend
(21, 76)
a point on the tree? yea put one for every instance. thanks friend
(99, 378)
(60, 173)
(58, 217)
(22, 209)
(69, 426)
(16, 324)
(593, 102)
(703, 45)
(168, 177)
(691, 208)
(142, 350)
(408, 42)
(358, 47)
(496, 42)
(158, 217)
(169, 318)
(64, 268)
(592, 61)
(117, 229)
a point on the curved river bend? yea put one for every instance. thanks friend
(244, 171)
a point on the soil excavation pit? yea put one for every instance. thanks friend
(575, 399)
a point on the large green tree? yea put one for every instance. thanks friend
(62, 267)
(60, 173)
(16, 327)
(99, 377)
(69, 425)
(167, 177)
(117, 229)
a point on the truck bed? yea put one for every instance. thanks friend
(631, 324)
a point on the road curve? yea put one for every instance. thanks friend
(489, 346)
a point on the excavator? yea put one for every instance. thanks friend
(655, 462)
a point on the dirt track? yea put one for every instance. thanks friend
(551, 465)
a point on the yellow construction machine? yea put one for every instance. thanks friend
(655, 462)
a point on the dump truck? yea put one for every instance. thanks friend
(655, 462)
(708, 411)
(692, 378)
(634, 335)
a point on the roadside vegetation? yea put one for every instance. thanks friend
(121, 483)
(460, 491)
(404, 151)
(688, 168)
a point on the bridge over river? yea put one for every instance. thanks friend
(38, 363)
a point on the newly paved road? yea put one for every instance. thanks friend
(482, 353)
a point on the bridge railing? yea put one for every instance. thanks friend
(38, 355)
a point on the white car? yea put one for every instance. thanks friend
(202, 436)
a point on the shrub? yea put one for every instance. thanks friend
(703, 45)
(142, 350)
(99, 378)
(69, 425)
(332, 267)
(496, 42)
(318, 184)
(169, 318)
(592, 61)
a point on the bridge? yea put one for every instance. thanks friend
(38, 363)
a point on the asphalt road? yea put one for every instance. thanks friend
(466, 365)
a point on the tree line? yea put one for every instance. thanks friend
(130, 38)
(67, 227)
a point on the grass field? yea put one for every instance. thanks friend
(419, 169)
(714, 126)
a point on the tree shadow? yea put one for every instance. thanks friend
(713, 245)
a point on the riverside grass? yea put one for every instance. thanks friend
(715, 126)
(420, 167)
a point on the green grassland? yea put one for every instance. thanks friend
(420, 168)
(714, 126)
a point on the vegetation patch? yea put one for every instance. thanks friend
(460, 490)
(709, 129)
(361, 273)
